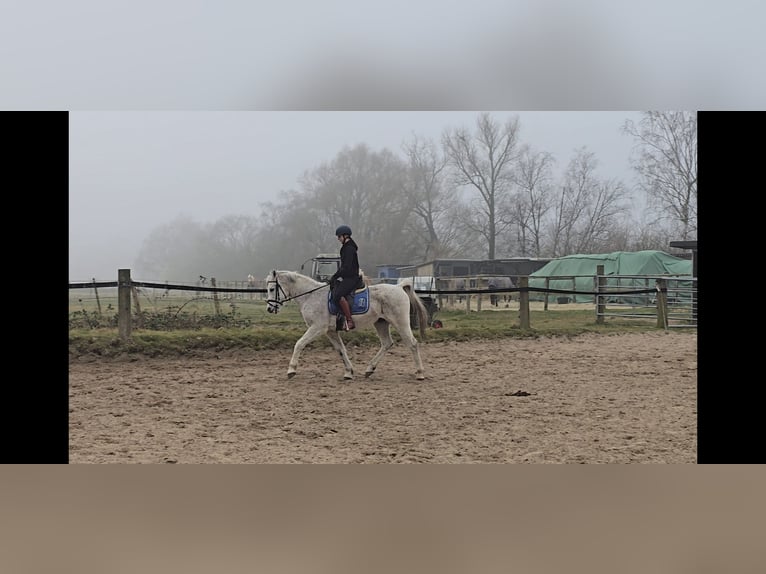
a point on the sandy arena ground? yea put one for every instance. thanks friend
(590, 399)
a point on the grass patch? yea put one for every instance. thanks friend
(261, 331)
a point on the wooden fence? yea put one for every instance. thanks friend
(672, 300)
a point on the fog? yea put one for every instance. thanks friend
(341, 55)
(158, 90)
(130, 172)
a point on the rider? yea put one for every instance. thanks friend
(346, 278)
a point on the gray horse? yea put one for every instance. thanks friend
(388, 305)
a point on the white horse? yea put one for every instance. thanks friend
(388, 305)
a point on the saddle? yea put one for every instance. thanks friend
(358, 301)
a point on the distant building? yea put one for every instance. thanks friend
(442, 268)
(389, 273)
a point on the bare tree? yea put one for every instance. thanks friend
(607, 210)
(578, 182)
(431, 198)
(534, 180)
(291, 231)
(176, 251)
(650, 235)
(484, 162)
(366, 190)
(235, 233)
(588, 210)
(233, 245)
(666, 161)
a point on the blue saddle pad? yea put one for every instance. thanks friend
(360, 305)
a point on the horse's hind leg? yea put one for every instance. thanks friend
(402, 326)
(386, 342)
(311, 333)
(337, 343)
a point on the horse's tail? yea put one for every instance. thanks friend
(406, 284)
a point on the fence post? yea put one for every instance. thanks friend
(124, 326)
(600, 301)
(662, 304)
(547, 286)
(98, 301)
(216, 303)
(524, 303)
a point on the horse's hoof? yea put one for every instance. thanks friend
(420, 377)
(348, 377)
(367, 374)
(290, 375)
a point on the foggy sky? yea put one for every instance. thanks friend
(170, 57)
(130, 172)
(341, 55)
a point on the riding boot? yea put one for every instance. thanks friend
(344, 306)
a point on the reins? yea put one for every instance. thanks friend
(302, 294)
(279, 288)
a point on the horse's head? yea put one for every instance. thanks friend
(274, 293)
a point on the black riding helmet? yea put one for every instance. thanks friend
(343, 230)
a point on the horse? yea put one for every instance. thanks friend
(499, 283)
(388, 305)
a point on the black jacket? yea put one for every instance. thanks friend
(349, 261)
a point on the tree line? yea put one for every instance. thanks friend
(479, 192)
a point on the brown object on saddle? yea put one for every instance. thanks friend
(345, 306)
(344, 322)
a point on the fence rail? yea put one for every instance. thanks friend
(674, 302)
(670, 300)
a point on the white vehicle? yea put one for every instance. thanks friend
(323, 266)
(422, 283)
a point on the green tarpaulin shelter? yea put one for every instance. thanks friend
(577, 272)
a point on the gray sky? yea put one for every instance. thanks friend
(398, 54)
(132, 171)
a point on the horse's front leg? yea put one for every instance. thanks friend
(311, 333)
(337, 343)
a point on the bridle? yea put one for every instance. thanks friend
(280, 295)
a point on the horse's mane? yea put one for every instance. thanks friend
(367, 280)
(295, 275)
